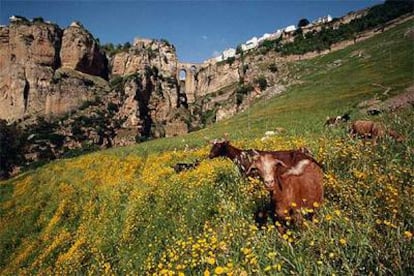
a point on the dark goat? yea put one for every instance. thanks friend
(333, 121)
(179, 167)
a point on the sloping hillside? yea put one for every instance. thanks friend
(125, 211)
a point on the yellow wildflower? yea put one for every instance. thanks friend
(219, 270)
(408, 234)
(211, 260)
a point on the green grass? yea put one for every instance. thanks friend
(125, 211)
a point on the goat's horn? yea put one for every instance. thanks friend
(280, 162)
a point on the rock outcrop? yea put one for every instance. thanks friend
(148, 71)
(81, 52)
(31, 84)
(29, 56)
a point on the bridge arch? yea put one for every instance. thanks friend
(186, 76)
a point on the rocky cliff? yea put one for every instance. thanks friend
(80, 51)
(32, 82)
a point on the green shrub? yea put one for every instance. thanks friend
(261, 82)
(230, 60)
(272, 67)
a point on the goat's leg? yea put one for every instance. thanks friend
(281, 216)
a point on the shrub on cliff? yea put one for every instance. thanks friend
(11, 148)
(261, 82)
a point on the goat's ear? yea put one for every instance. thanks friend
(280, 162)
(253, 155)
(251, 167)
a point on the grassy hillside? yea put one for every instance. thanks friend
(125, 211)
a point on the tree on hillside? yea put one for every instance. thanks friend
(11, 148)
(239, 49)
(303, 22)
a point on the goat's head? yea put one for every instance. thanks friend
(219, 148)
(266, 165)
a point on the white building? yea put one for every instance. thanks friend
(16, 18)
(76, 24)
(250, 44)
(290, 29)
(323, 20)
(228, 53)
(264, 37)
(219, 58)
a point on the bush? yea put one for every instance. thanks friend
(262, 82)
(116, 82)
(38, 20)
(303, 22)
(112, 108)
(272, 67)
(230, 60)
(241, 91)
(244, 89)
(11, 148)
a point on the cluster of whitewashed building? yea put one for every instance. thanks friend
(18, 18)
(254, 42)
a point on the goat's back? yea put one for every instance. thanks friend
(303, 190)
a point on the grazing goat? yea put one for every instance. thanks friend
(179, 167)
(242, 158)
(333, 121)
(290, 188)
(373, 130)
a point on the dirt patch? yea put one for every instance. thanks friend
(409, 34)
(404, 100)
(401, 101)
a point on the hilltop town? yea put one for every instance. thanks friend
(286, 34)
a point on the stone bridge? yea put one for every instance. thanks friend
(186, 75)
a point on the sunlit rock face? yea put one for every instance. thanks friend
(32, 81)
(80, 51)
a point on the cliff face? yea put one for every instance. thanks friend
(29, 56)
(148, 71)
(30, 82)
(81, 52)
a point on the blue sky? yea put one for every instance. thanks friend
(198, 29)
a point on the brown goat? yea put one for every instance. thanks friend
(373, 130)
(242, 158)
(290, 188)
